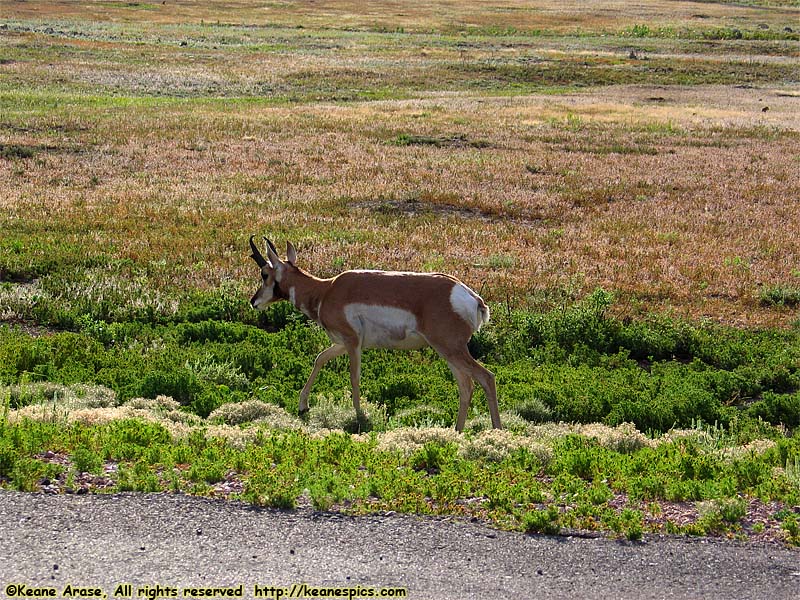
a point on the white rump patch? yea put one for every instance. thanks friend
(384, 326)
(465, 304)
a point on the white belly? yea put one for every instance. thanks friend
(384, 327)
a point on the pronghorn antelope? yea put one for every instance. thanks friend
(382, 309)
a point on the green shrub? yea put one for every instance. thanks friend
(777, 408)
(791, 525)
(86, 460)
(545, 521)
(205, 470)
(26, 473)
(329, 413)
(780, 295)
(576, 363)
(432, 457)
(638, 30)
(482, 344)
(274, 488)
(227, 303)
(483, 422)
(221, 372)
(582, 324)
(395, 391)
(237, 413)
(732, 510)
(211, 397)
(534, 410)
(138, 478)
(723, 33)
(420, 416)
(628, 523)
(180, 383)
(326, 489)
(8, 457)
(129, 439)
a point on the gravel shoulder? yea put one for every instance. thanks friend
(181, 541)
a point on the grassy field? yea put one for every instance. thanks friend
(619, 182)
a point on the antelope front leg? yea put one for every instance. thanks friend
(322, 358)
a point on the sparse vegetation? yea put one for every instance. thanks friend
(621, 187)
(541, 481)
(572, 364)
(781, 295)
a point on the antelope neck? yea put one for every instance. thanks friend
(304, 291)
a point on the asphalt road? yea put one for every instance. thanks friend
(178, 542)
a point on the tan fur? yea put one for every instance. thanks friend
(349, 308)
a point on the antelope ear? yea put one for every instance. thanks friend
(291, 254)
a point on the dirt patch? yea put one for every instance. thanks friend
(27, 328)
(439, 141)
(60, 128)
(23, 151)
(736, 106)
(416, 207)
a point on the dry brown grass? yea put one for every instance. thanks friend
(567, 188)
(679, 198)
(437, 15)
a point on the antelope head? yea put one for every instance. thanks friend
(273, 271)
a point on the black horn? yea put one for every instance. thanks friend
(256, 254)
(271, 246)
(272, 254)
